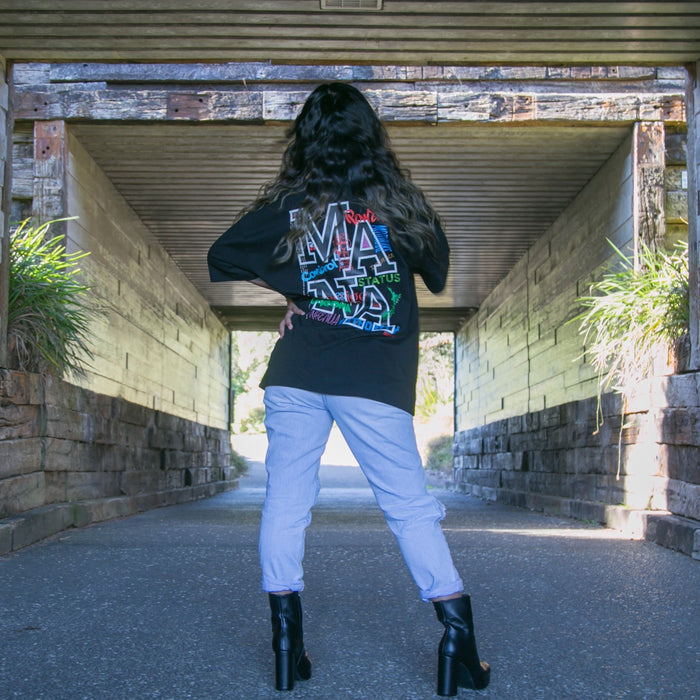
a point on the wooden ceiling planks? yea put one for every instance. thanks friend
(404, 32)
(498, 189)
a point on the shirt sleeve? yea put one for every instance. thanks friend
(244, 251)
(434, 266)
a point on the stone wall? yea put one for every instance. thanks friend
(70, 456)
(520, 354)
(526, 397)
(644, 479)
(157, 343)
(148, 424)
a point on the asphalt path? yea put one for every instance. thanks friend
(167, 604)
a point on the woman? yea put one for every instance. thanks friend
(340, 233)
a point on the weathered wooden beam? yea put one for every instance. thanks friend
(693, 99)
(6, 120)
(263, 318)
(423, 103)
(32, 73)
(649, 166)
(50, 160)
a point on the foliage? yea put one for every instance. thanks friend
(238, 462)
(439, 454)
(253, 421)
(249, 358)
(435, 389)
(49, 314)
(633, 314)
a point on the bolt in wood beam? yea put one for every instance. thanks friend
(50, 161)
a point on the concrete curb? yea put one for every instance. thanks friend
(39, 523)
(660, 527)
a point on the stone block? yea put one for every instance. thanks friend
(517, 499)
(82, 486)
(41, 523)
(531, 422)
(68, 397)
(627, 520)
(21, 456)
(560, 485)
(589, 460)
(165, 439)
(590, 512)
(55, 487)
(682, 498)
(61, 454)
(168, 422)
(680, 462)
(515, 425)
(147, 501)
(549, 461)
(194, 443)
(135, 483)
(14, 387)
(527, 441)
(106, 430)
(495, 443)
(678, 390)
(481, 477)
(133, 413)
(551, 417)
(671, 532)
(69, 425)
(20, 421)
(133, 435)
(548, 504)
(108, 407)
(584, 487)
(515, 481)
(21, 493)
(174, 479)
(469, 445)
(87, 512)
(677, 426)
(6, 531)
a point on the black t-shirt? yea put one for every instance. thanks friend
(359, 336)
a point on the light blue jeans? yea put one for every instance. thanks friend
(382, 439)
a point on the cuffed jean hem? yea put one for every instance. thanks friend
(271, 587)
(440, 591)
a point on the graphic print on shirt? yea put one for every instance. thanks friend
(348, 267)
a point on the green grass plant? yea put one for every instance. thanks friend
(636, 314)
(49, 312)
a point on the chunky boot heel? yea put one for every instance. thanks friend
(284, 670)
(291, 661)
(458, 659)
(447, 676)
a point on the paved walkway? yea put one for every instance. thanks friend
(166, 604)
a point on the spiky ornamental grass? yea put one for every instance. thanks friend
(49, 312)
(633, 315)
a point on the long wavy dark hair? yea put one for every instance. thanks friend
(339, 146)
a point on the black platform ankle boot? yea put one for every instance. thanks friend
(291, 661)
(458, 659)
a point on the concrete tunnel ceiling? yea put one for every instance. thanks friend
(497, 188)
